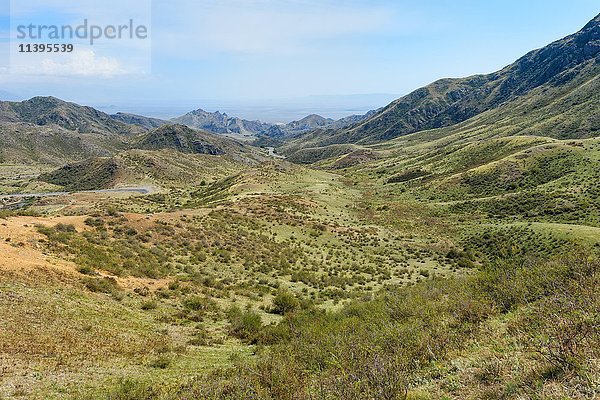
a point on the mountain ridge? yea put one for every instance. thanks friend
(48, 110)
(51, 131)
(449, 101)
(222, 123)
(139, 120)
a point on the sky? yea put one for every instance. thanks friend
(227, 52)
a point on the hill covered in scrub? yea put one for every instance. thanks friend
(44, 111)
(183, 139)
(186, 140)
(22, 143)
(139, 120)
(46, 130)
(168, 155)
(166, 168)
(95, 173)
(524, 91)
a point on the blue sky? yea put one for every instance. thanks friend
(227, 50)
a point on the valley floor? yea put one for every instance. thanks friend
(108, 288)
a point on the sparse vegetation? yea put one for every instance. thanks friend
(460, 261)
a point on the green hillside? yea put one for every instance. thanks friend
(160, 168)
(22, 143)
(52, 111)
(561, 79)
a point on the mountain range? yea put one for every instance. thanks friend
(43, 111)
(47, 130)
(561, 78)
(221, 123)
(53, 131)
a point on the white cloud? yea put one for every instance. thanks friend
(79, 63)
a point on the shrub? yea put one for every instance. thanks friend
(244, 325)
(198, 303)
(94, 222)
(149, 305)
(160, 362)
(200, 338)
(564, 327)
(284, 302)
(86, 270)
(66, 228)
(196, 307)
(102, 285)
(509, 283)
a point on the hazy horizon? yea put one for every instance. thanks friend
(282, 110)
(267, 110)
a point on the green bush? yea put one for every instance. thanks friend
(66, 228)
(244, 325)
(201, 337)
(409, 337)
(284, 302)
(161, 362)
(149, 305)
(563, 328)
(102, 285)
(198, 303)
(86, 270)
